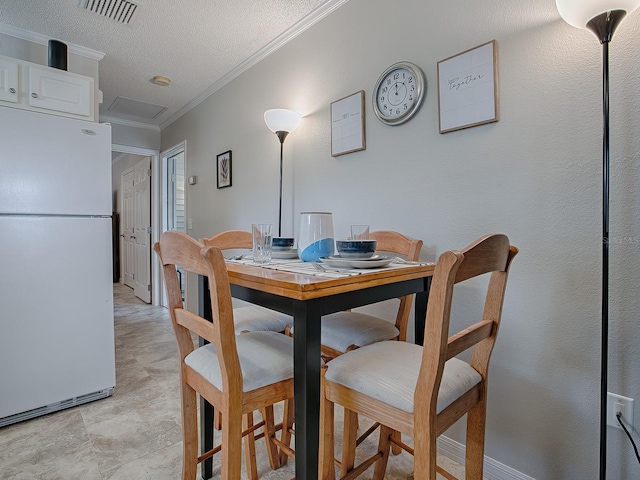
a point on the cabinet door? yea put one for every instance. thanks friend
(8, 80)
(60, 91)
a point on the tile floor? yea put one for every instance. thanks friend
(135, 434)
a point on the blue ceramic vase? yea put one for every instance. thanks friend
(315, 239)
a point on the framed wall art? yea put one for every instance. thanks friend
(223, 169)
(468, 88)
(347, 124)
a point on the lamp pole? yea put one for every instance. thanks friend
(603, 26)
(601, 17)
(281, 136)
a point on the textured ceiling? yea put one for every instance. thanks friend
(196, 43)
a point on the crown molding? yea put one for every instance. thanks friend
(44, 40)
(128, 123)
(288, 35)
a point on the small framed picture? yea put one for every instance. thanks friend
(223, 169)
(347, 124)
(468, 88)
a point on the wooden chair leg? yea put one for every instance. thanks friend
(349, 443)
(424, 457)
(326, 454)
(250, 447)
(189, 433)
(269, 435)
(395, 449)
(287, 425)
(232, 444)
(384, 446)
(474, 461)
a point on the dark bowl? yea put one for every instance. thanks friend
(356, 248)
(282, 243)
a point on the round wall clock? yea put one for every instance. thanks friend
(398, 93)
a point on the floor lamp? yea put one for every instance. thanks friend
(602, 17)
(281, 122)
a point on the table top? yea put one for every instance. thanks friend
(305, 287)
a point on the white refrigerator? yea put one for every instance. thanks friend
(56, 292)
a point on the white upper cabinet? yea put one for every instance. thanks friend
(9, 79)
(60, 91)
(39, 88)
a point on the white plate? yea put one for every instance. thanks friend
(337, 261)
(284, 254)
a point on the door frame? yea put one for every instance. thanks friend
(156, 212)
(181, 146)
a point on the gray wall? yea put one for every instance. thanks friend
(133, 136)
(535, 175)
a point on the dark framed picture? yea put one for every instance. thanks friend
(223, 169)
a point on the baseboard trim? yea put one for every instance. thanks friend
(493, 470)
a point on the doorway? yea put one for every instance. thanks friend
(176, 219)
(174, 198)
(125, 158)
(135, 220)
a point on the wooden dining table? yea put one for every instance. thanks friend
(307, 297)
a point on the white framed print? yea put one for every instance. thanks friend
(347, 124)
(468, 88)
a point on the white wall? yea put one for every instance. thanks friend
(535, 175)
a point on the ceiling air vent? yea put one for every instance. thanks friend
(120, 10)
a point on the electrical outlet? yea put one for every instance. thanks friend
(618, 403)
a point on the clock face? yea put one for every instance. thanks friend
(398, 93)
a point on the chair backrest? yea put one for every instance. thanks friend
(178, 249)
(491, 254)
(229, 239)
(394, 242)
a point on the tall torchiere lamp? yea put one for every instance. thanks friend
(281, 122)
(602, 17)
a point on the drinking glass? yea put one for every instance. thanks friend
(262, 242)
(359, 232)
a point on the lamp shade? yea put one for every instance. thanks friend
(281, 120)
(579, 12)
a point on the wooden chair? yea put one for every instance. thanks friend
(345, 331)
(237, 374)
(253, 318)
(422, 391)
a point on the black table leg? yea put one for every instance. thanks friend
(306, 355)
(420, 307)
(206, 409)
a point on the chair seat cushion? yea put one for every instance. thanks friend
(265, 358)
(254, 318)
(388, 371)
(342, 329)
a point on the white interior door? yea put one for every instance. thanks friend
(142, 230)
(127, 227)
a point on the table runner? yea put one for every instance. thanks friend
(306, 268)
